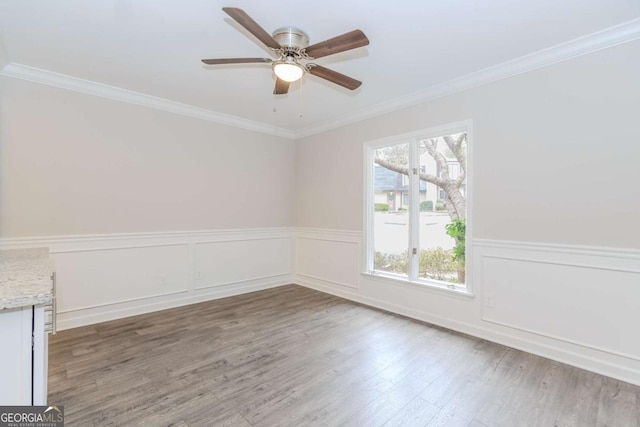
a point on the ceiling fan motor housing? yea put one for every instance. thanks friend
(291, 37)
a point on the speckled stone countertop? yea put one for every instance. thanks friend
(25, 277)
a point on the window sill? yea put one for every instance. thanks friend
(457, 292)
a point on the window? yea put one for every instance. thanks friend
(417, 194)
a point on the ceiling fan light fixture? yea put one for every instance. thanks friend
(289, 70)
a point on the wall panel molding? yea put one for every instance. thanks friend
(600, 251)
(217, 262)
(105, 277)
(105, 313)
(580, 295)
(331, 256)
(208, 235)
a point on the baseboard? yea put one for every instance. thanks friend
(598, 365)
(90, 316)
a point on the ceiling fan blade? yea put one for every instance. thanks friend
(334, 76)
(347, 41)
(241, 17)
(222, 61)
(282, 87)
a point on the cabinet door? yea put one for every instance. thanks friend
(15, 357)
(40, 357)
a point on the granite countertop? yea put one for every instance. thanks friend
(25, 277)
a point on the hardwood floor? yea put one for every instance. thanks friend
(292, 356)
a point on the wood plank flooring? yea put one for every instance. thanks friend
(292, 356)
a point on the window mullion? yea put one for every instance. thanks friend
(369, 209)
(414, 210)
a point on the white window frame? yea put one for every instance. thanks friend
(414, 208)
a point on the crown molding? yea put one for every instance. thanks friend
(603, 39)
(50, 78)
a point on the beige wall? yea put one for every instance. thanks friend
(555, 155)
(71, 164)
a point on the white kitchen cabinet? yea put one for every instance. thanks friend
(23, 368)
(27, 312)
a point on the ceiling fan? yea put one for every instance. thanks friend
(291, 45)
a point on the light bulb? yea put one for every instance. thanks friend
(287, 71)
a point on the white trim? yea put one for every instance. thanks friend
(413, 191)
(286, 236)
(367, 211)
(326, 231)
(602, 251)
(574, 358)
(427, 286)
(239, 282)
(566, 263)
(109, 248)
(329, 238)
(330, 282)
(50, 78)
(120, 302)
(469, 252)
(609, 37)
(210, 235)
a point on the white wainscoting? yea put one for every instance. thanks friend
(105, 277)
(583, 296)
(329, 256)
(92, 278)
(573, 304)
(224, 262)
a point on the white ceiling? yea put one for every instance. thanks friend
(155, 46)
